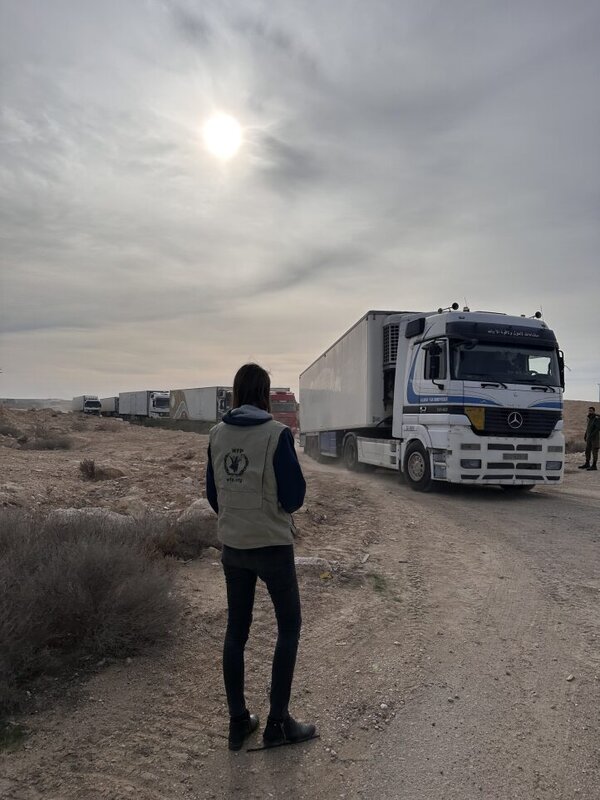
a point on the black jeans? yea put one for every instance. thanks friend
(275, 566)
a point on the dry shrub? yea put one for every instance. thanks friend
(87, 467)
(79, 422)
(8, 429)
(75, 590)
(574, 445)
(109, 426)
(52, 441)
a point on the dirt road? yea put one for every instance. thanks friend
(459, 660)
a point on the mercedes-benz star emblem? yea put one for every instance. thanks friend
(515, 420)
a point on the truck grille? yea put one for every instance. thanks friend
(519, 422)
(390, 344)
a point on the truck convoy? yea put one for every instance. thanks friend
(138, 405)
(86, 404)
(455, 396)
(207, 404)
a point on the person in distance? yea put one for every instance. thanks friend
(254, 483)
(592, 440)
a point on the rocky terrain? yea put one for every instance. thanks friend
(449, 648)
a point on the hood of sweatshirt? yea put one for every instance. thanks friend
(246, 415)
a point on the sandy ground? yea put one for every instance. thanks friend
(459, 660)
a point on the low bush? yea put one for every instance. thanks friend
(74, 590)
(49, 442)
(8, 429)
(87, 467)
(574, 445)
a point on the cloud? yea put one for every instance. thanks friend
(394, 155)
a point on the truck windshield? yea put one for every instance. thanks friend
(506, 364)
(161, 402)
(92, 404)
(282, 406)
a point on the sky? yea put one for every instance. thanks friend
(397, 155)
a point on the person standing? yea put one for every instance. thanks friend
(592, 440)
(254, 483)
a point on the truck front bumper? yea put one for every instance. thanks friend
(502, 460)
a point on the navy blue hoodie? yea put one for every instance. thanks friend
(291, 486)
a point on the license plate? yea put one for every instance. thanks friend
(516, 456)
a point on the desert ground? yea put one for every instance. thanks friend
(451, 651)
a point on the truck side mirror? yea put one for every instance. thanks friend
(434, 361)
(561, 367)
(434, 368)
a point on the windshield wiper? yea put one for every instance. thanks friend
(474, 376)
(494, 383)
(543, 389)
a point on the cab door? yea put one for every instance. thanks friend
(432, 383)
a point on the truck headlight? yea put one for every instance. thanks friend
(470, 463)
(553, 465)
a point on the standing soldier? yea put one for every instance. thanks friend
(592, 440)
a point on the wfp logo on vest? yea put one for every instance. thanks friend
(236, 463)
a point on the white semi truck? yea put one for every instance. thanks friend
(140, 405)
(206, 404)
(86, 404)
(109, 406)
(456, 396)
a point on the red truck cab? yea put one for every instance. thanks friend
(285, 408)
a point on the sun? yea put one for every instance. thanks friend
(222, 136)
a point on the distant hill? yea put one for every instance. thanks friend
(56, 404)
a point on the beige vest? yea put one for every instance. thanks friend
(249, 512)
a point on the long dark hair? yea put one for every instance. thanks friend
(252, 386)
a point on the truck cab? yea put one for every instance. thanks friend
(285, 408)
(478, 398)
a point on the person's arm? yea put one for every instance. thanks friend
(291, 486)
(211, 489)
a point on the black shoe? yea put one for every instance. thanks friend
(593, 468)
(240, 729)
(584, 466)
(287, 731)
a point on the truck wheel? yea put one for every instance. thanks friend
(417, 467)
(350, 455)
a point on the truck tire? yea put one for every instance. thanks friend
(350, 455)
(417, 467)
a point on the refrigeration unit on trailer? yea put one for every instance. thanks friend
(207, 404)
(457, 396)
(86, 404)
(148, 403)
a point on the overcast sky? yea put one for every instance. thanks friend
(396, 155)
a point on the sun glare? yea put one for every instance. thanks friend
(222, 136)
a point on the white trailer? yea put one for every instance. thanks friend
(207, 404)
(86, 404)
(109, 406)
(147, 403)
(457, 396)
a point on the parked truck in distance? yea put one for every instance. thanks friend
(144, 404)
(206, 404)
(109, 406)
(86, 404)
(455, 396)
(285, 408)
